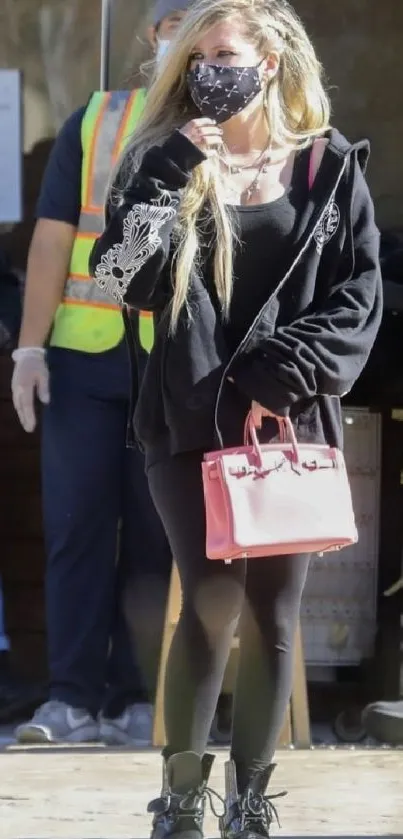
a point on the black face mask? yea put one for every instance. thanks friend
(221, 92)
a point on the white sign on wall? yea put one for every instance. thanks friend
(10, 147)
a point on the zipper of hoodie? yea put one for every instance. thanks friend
(272, 296)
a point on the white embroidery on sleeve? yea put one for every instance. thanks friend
(141, 240)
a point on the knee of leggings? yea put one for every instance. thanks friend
(284, 635)
(273, 627)
(215, 603)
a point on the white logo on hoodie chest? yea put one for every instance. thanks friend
(327, 227)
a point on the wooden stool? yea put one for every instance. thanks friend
(296, 728)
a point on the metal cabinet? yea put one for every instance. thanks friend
(339, 604)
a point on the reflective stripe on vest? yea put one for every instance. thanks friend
(87, 319)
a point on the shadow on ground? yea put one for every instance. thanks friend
(54, 749)
(304, 836)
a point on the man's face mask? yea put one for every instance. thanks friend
(162, 48)
(221, 92)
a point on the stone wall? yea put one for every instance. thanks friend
(360, 42)
(361, 45)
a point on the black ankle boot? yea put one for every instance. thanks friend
(251, 814)
(179, 812)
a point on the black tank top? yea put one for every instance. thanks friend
(264, 231)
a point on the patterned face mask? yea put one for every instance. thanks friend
(220, 92)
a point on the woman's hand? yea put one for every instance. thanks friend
(258, 412)
(203, 133)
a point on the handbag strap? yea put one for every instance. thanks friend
(316, 156)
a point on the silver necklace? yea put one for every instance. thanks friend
(236, 169)
(262, 163)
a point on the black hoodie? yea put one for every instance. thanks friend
(309, 342)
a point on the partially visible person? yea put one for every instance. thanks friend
(17, 697)
(243, 221)
(4, 641)
(11, 693)
(381, 383)
(10, 302)
(73, 356)
(10, 320)
(4, 648)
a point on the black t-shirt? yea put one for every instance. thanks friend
(264, 233)
(60, 195)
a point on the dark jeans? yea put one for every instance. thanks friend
(267, 592)
(91, 481)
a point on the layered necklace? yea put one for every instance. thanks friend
(261, 164)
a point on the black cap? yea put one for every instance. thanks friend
(163, 8)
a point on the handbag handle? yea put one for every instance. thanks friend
(247, 437)
(287, 435)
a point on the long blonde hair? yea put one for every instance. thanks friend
(297, 109)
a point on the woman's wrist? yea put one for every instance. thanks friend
(182, 152)
(20, 352)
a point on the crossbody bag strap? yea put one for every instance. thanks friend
(317, 152)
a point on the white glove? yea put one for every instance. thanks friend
(30, 378)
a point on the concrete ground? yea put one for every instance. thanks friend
(96, 793)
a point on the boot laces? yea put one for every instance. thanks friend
(214, 798)
(258, 811)
(203, 793)
(191, 803)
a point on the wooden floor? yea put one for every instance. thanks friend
(100, 794)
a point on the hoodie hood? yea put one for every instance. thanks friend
(339, 145)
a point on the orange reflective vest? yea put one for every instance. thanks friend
(87, 319)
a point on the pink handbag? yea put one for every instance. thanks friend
(279, 498)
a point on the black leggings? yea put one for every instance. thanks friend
(267, 591)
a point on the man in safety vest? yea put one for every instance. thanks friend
(72, 355)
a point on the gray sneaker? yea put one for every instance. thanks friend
(133, 728)
(57, 722)
(384, 722)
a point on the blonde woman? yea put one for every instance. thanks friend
(265, 288)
